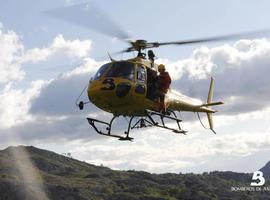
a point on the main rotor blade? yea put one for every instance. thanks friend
(89, 16)
(214, 39)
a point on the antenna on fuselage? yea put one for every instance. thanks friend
(110, 57)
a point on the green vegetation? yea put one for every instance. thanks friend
(67, 178)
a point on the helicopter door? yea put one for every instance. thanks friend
(151, 86)
(140, 86)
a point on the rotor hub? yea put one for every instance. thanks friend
(139, 45)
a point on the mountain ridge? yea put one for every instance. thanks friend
(266, 170)
(54, 176)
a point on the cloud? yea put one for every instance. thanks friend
(240, 70)
(59, 46)
(17, 122)
(13, 53)
(15, 103)
(60, 94)
(11, 49)
(46, 110)
(48, 129)
(164, 152)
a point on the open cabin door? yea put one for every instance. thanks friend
(151, 84)
(140, 85)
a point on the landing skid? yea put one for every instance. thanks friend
(143, 122)
(93, 123)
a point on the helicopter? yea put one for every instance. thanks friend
(126, 87)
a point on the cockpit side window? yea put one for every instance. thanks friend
(122, 70)
(101, 71)
(141, 74)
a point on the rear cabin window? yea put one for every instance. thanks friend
(101, 71)
(122, 70)
(141, 74)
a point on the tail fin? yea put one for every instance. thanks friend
(210, 103)
(211, 89)
(210, 121)
(210, 96)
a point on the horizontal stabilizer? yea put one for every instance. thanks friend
(212, 104)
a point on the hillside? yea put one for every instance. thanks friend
(266, 170)
(31, 173)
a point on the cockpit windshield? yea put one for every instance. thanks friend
(122, 69)
(101, 71)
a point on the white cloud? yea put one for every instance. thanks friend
(11, 49)
(88, 67)
(17, 123)
(59, 46)
(161, 151)
(59, 96)
(204, 61)
(15, 103)
(13, 53)
(240, 70)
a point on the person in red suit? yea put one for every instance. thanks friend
(163, 84)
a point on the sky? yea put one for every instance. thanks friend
(45, 63)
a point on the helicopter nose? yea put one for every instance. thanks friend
(94, 92)
(122, 89)
(108, 94)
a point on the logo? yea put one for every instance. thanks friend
(256, 184)
(257, 179)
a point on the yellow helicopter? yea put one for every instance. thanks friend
(126, 87)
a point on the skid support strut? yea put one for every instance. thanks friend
(147, 121)
(94, 122)
(153, 122)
